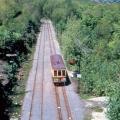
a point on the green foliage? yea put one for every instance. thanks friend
(93, 39)
(114, 103)
(19, 23)
(12, 30)
(11, 69)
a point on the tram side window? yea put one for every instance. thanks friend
(63, 72)
(55, 72)
(59, 72)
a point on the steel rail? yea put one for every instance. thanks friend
(43, 70)
(55, 88)
(67, 103)
(68, 109)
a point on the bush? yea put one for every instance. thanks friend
(114, 103)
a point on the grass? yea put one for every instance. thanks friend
(97, 108)
(88, 117)
(19, 93)
(86, 96)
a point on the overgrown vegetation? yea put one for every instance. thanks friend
(19, 23)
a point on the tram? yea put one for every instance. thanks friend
(59, 72)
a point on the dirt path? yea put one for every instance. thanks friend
(95, 108)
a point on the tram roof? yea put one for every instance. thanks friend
(57, 61)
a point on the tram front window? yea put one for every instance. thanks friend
(63, 72)
(59, 72)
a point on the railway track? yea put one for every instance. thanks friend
(55, 88)
(42, 36)
(68, 109)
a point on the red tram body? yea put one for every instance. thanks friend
(59, 72)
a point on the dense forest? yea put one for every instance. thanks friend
(19, 25)
(88, 32)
